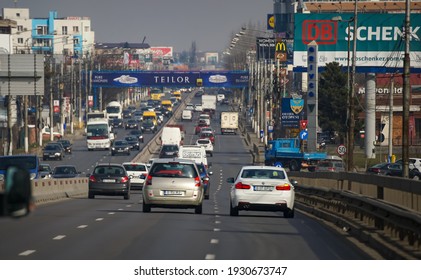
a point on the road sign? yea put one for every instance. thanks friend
(303, 134)
(341, 150)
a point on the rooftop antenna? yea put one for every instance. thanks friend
(16, 2)
(144, 38)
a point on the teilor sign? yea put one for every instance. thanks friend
(228, 79)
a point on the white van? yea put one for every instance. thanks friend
(187, 115)
(195, 153)
(171, 135)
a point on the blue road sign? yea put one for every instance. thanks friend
(303, 134)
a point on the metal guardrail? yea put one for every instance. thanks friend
(383, 212)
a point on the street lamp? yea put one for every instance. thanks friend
(351, 88)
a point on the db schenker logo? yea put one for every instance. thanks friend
(324, 32)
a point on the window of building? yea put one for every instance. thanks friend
(42, 30)
(86, 28)
(20, 28)
(76, 29)
(17, 14)
(64, 30)
(20, 40)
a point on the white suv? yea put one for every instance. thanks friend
(207, 143)
(137, 173)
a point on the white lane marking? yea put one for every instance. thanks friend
(27, 252)
(216, 229)
(217, 222)
(121, 209)
(82, 226)
(129, 205)
(59, 237)
(217, 216)
(99, 219)
(214, 241)
(209, 257)
(111, 213)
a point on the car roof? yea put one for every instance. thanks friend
(165, 160)
(109, 164)
(263, 167)
(134, 163)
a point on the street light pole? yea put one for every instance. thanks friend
(350, 149)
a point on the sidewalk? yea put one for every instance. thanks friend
(255, 146)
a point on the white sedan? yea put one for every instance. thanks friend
(262, 188)
(207, 143)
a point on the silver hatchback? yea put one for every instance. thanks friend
(173, 183)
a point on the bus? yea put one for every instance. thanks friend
(98, 134)
(96, 115)
(114, 110)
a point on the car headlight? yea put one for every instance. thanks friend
(113, 148)
(57, 154)
(126, 148)
(33, 176)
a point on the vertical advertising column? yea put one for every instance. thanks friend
(312, 96)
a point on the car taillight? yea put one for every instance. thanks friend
(124, 179)
(284, 187)
(197, 181)
(242, 186)
(376, 170)
(149, 180)
(92, 178)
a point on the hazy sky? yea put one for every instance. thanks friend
(177, 23)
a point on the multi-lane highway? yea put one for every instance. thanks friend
(116, 229)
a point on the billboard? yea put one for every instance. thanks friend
(161, 52)
(230, 79)
(380, 40)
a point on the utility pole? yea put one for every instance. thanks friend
(51, 98)
(406, 94)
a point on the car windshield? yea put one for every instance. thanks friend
(52, 148)
(26, 162)
(135, 167)
(64, 170)
(203, 141)
(109, 170)
(171, 148)
(173, 169)
(130, 139)
(120, 143)
(263, 174)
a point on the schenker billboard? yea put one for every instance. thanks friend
(380, 40)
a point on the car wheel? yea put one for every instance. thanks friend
(289, 214)
(416, 177)
(294, 165)
(127, 196)
(146, 207)
(211, 154)
(233, 210)
(198, 209)
(91, 195)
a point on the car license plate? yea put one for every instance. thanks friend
(178, 193)
(263, 188)
(108, 180)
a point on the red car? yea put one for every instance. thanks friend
(208, 135)
(199, 127)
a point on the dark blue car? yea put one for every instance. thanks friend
(204, 175)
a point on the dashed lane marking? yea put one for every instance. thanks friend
(99, 219)
(27, 253)
(214, 241)
(111, 213)
(82, 226)
(209, 257)
(59, 237)
(216, 229)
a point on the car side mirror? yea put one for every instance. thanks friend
(230, 180)
(17, 199)
(294, 182)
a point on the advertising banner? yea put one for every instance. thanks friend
(229, 79)
(380, 40)
(291, 114)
